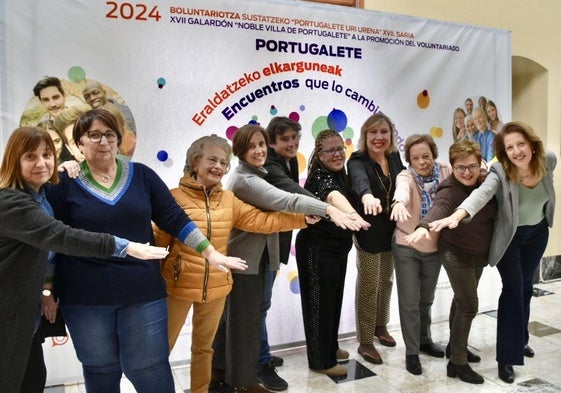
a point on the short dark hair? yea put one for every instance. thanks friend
(85, 121)
(415, 139)
(279, 125)
(240, 142)
(47, 82)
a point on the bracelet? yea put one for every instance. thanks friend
(395, 203)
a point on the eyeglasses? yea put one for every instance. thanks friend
(95, 136)
(332, 152)
(462, 168)
(212, 161)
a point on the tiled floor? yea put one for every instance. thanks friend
(540, 374)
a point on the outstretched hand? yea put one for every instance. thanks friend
(452, 221)
(146, 251)
(399, 212)
(353, 222)
(223, 262)
(312, 219)
(419, 234)
(371, 204)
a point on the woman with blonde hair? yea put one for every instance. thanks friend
(372, 171)
(458, 125)
(495, 123)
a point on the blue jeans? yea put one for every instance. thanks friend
(517, 267)
(265, 350)
(133, 339)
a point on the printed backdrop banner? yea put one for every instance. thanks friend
(185, 69)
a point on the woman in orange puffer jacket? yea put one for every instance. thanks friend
(190, 281)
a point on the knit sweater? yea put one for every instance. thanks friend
(126, 210)
(248, 184)
(473, 237)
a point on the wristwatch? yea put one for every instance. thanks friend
(46, 292)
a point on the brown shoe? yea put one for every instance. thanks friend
(335, 371)
(384, 337)
(255, 388)
(341, 354)
(369, 353)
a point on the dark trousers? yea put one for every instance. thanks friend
(36, 372)
(265, 350)
(322, 266)
(517, 267)
(237, 342)
(464, 271)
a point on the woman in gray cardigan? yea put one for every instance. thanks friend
(237, 341)
(522, 182)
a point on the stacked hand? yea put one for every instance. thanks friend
(353, 222)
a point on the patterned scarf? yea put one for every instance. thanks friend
(428, 186)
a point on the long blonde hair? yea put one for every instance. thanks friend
(370, 123)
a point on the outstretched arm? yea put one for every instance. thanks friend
(343, 214)
(222, 262)
(452, 221)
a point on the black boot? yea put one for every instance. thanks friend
(506, 373)
(464, 372)
(413, 364)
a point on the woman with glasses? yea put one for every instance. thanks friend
(463, 251)
(321, 255)
(190, 281)
(117, 313)
(28, 235)
(522, 183)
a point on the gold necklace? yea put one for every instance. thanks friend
(387, 190)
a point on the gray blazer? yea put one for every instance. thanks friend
(249, 185)
(497, 184)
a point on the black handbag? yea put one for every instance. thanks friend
(56, 329)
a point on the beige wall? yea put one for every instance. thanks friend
(536, 67)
